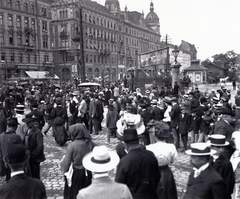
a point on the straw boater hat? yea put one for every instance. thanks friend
(200, 149)
(100, 160)
(167, 100)
(218, 140)
(19, 108)
(154, 102)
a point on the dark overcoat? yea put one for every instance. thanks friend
(23, 187)
(139, 171)
(224, 167)
(209, 184)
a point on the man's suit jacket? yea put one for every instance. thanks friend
(39, 116)
(139, 171)
(23, 187)
(223, 128)
(105, 188)
(156, 112)
(224, 167)
(208, 185)
(185, 123)
(174, 114)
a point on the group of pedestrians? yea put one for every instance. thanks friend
(152, 128)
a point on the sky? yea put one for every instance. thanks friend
(213, 26)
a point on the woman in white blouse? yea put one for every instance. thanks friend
(166, 154)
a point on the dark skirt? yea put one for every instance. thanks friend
(166, 187)
(79, 181)
(60, 134)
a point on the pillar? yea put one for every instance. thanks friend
(176, 74)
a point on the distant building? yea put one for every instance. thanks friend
(188, 48)
(112, 39)
(215, 70)
(25, 36)
(196, 72)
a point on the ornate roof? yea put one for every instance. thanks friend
(152, 17)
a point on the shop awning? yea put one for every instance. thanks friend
(40, 75)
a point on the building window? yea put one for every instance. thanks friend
(19, 39)
(19, 22)
(29, 58)
(10, 20)
(45, 58)
(9, 3)
(44, 26)
(10, 38)
(33, 24)
(26, 23)
(20, 57)
(32, 9)
(18, 5)
(45, 42)
(44, 12)
(34, 40)
(1, 37)
(12, 57)
(35, 58)
(3, 56)
(27, 40)
(64, 42)
(1, 19)
(86, 58)
(25, 7)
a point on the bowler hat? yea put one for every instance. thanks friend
(13, 121)
(58, 100)
(161, 129)
(200, 149)
(29, 118)
(16, 153)
(129, 135)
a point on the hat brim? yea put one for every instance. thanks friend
(189, 152)
(225, 144)
(96, 167)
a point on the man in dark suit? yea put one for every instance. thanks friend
(33, 141)
(175, 119)
(204, 181)
(138, 169)
(20, 185)
(157, 113)
(6, 139)
(39, 115)
(220, 163)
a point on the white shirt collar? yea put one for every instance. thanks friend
(100, 175)
(202, 168)
(14, 173)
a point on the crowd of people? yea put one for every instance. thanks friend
(152, 128)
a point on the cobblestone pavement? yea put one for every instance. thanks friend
(52, 177)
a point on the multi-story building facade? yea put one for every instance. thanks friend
(24, 37)
(102, 41)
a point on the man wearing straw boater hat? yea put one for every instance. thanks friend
(100, 161)
(220, 163)
(138, 169)
(204, 181)
(20, 185)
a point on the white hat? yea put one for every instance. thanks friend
(200, 149)
(100, 160)
(218, 140)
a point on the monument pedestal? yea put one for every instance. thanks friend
(176, 73)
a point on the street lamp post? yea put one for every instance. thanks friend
(175, 67)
